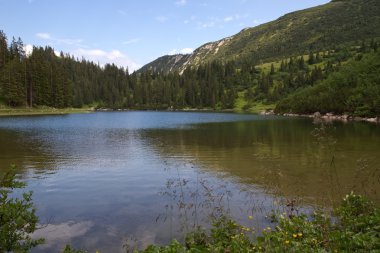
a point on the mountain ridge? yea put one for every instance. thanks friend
(295, 33)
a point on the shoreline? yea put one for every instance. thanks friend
(8, 112)
(328, 117)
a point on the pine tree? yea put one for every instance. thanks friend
(318, 58)
(311, 59)
(272, 71)
(4, 53)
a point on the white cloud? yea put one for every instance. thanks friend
(173, 51)
(208, 24)
(181, 2)
(161, 19)
(95, 55)
(131, 41)
(235, 17)
(103, 57)
(57, 234)
(45, 36)
(191, 19)
(28, 49)
(228, 19)
(186, 50)
(69, 41)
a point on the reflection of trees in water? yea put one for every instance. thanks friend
(284, 157)
(21, 149)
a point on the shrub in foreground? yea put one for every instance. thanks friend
(17, 216)
(355, 227)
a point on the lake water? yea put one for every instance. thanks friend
(105, 179)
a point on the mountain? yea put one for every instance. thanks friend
(166, 63)
(314, 29)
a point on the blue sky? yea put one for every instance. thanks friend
(131, 33)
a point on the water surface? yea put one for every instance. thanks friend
(102, 179)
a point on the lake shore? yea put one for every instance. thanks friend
(168, 110)
(4, 112)
(328, 117)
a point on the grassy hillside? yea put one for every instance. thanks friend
(311, 29)
(314, 29)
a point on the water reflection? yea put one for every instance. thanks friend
(102, 179)
(286, 157)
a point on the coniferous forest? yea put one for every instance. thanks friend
(45, 79)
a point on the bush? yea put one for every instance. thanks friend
(17, 217)
(355, 227)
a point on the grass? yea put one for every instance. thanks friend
(43, 110)
(242, 105)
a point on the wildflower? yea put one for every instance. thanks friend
(268, 228)
(250, 217)
(294, 235)
(287, 242)
(300, 234)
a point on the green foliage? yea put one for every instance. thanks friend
(303, 48)
(353, 228)
(314, 29)
(353, 89)
(17, 217)
(69, 249)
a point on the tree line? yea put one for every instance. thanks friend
(45, 79)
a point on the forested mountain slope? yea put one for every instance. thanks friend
(354, 89)
(314, 29)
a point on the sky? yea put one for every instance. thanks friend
(131, 33)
